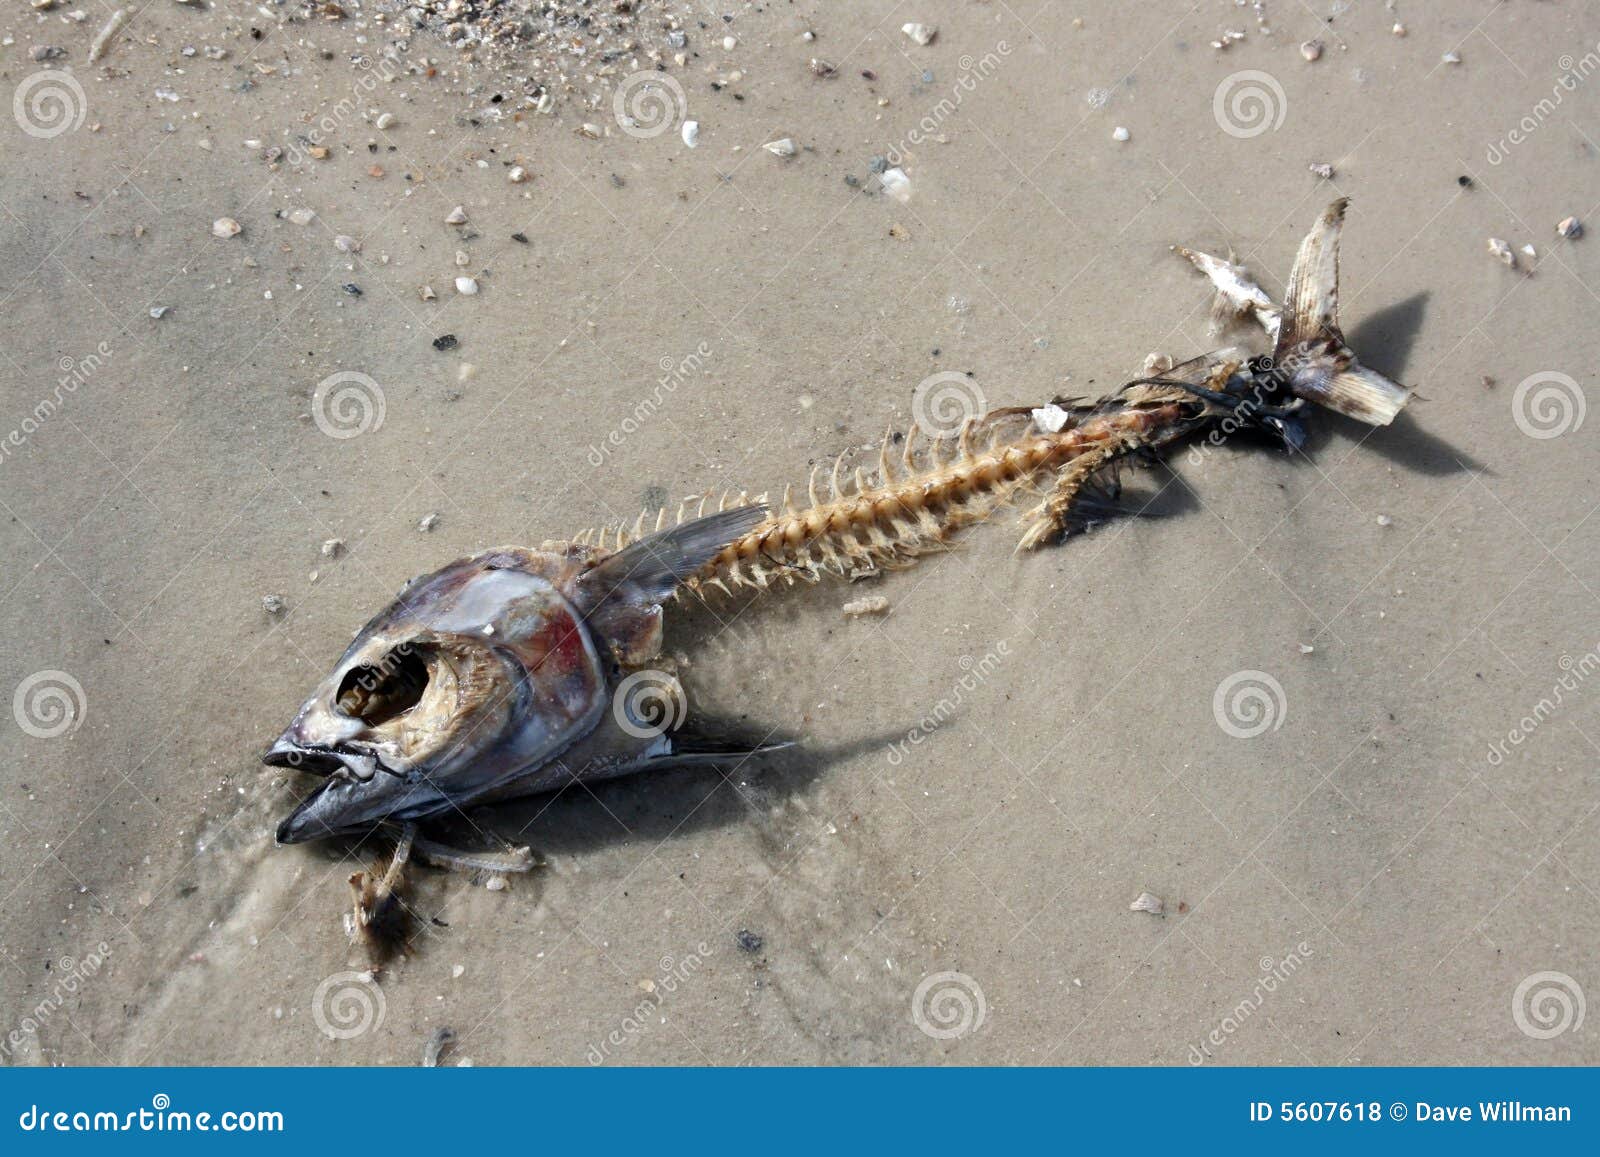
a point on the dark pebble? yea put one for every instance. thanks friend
(520, 238)
(748, 940)
(446, 342)
(352, 289)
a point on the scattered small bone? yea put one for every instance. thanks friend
(1147, 902)
(466, 286)
(1156, 363)
(1384, 520)
(385, 120)
(1451, 58)
(1500, 250)
(896, 184)
(783, 147)
(428, 522)
(871, 605)
(1570, 227)
(344, 243)
(333, 548)
(922, 34)
(691, 133)
(225, 227)
(517, 174)
(1322, 169)
(1120, 134)
(1311, 50)
(273, 604)
(101, 43)
(302, 216)
(438, 1041)
(427, 293)
(160, 311)
(1052, 419)
(456, 216)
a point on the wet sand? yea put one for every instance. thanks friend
(991, 773)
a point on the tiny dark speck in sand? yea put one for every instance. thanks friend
(445, 342)
(748, 940)
(352, 289)
(520, 238)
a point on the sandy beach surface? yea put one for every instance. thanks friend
(1338, 716)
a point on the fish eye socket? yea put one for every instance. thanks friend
(377, 693)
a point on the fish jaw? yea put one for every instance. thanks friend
(474, 675)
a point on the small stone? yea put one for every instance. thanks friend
(1570, 227)
(351, 288)
(1052, 419)
(1384, 520)
(302, 216)
(385, 120)
(896, 184)
(1322, 169)
(318, 152)
(590, 130)
(517, 174)
(923, 34)
(445, 342)
(273, 604)
(748, 941)
(871, 605)
(160, 311)
(1530, 252)
(1501, 251)
(1306, 648)
(822, 68)
(344, 243)
(466, 286)
(690, 133)
(1398, 29)
(428, 522)
(1148, 902)
(42, 52)
(456, 216)
(1120, 134)
(520, 238)
(427, 293)
(462, 260)
(457, 971)
(783, 147)
(332, 547)
(729, 43)
(226, 227)
(1311, 50)
(1451, 58)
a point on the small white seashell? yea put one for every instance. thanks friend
(1499, 249)
(896, 184)
(1451, 58)
(1147, 902)
(1384, 520)
(592, 131)
(466, 286)
(427, 293)
(225, 227)
(729, 43)
(783, 147)
(1156, 363)
(385, 120)
(922, 34)
(1311, 50)
(1120, 134)
(428, 522)
(691, 133)
(1530, 252)
(1570, 227)
(517, 174)
(456, 216)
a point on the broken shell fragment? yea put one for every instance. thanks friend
(922, 34)
(691, 133)
(1502, 252)
(456, 216)
(226, 227)
(1148, 902)
(896, 184)
(1570, 227)
(783, 147)
(1311, 50)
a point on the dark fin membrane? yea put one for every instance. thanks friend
(652, 568)
(709, 741)
(1098, 500)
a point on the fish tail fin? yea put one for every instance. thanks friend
(1311, 356)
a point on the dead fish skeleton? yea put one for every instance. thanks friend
(518, 671)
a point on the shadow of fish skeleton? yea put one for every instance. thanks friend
(518, 671)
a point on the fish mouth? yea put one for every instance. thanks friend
(341, 759)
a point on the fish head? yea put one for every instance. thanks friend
(472, 675)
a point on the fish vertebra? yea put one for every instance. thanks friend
(518, 671)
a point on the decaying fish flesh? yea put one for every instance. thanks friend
(519, 671)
